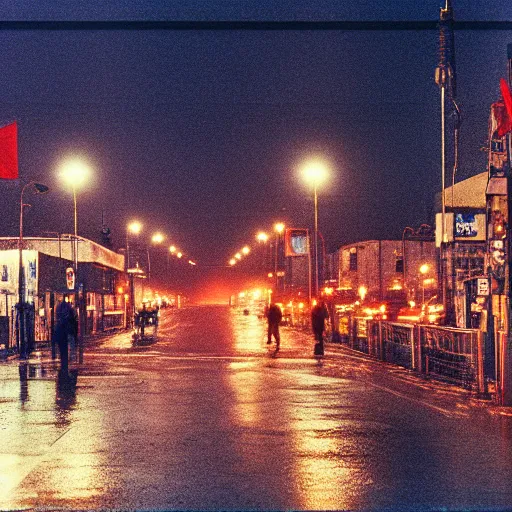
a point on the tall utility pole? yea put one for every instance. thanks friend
(446, 80)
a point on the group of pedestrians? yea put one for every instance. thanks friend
(319, 314)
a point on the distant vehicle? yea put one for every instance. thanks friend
(430, 313)
(409, 314)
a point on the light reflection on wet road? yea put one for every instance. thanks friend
(209, 418)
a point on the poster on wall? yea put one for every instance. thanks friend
(9, 273)
(465, 225)
(469, 226)
(70, 278)
(296, 242)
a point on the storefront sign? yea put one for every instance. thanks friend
(70, 278)
(482, 286)
(296, 242)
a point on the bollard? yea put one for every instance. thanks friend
(381, 343)
(414, 341)
(481, 384)
(505, 384)
(419, 364)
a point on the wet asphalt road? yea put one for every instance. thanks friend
(208, 418)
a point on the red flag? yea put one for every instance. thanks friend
(507, 97)
(9, 152)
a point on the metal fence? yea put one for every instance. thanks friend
(449, 354)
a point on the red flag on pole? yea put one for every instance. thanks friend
(9, 152)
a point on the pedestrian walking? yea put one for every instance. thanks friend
(274, 316)
(319, 314)
(67, 325)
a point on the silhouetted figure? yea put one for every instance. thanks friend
(319, 315)
(274, 316)
(67, 325)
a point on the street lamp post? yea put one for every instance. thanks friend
(262, 238)
(74, 173)
(134, 228)
(423, 271)
(315, 173)
(22, 332)
(278, 228)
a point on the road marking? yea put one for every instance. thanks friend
(446, 412)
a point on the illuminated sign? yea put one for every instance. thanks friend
(462, 226)
(296, 242)
(70, 278)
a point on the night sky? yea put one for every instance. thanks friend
(200, 134)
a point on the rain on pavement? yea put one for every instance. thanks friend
(208, 417)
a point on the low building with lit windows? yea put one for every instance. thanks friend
(388, 270)
(49, 276)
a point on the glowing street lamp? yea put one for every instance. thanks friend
(172, 249)
(74, 172)
(262, 237)
(232, 261)
(278, 228)
(179, 255)
(157, 238)
(315, 173)
(135, 227)
(238, 256)
(424, 269)
(246, 250)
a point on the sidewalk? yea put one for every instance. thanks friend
(45, 347)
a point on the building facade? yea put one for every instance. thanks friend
(388, 270)
(46, 264)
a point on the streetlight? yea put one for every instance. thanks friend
(22, 341)
(134, 228)
(278, 228)
(74, 173)
(262, 238)
(423, 270)
(157, 238)
(315, 172)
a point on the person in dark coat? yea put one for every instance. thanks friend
(274, 316)
(67, 325)
(319, 315)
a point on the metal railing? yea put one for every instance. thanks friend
(445, 353)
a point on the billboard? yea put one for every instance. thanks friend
(296, 242)
(461, 226)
